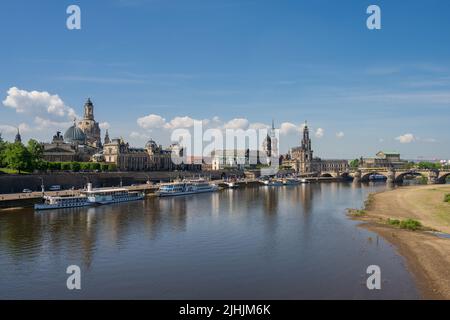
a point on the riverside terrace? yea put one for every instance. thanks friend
(19, 200)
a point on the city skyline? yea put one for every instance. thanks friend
(216, 61)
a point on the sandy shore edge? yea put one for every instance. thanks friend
(427, 256)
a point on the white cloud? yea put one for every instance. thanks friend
(23, 127)
(137, 135)
(288, 128)
(319, 133)
(180, 122)
(406, 138)
(340, 135)
(104, 125)
(42, 124)
(258, 126)
(38, 103)
(238, 123)
(151, 121)
(11, 130)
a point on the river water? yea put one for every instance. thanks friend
(293, 242)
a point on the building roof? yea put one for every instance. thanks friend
(75, 135)
(389, 152)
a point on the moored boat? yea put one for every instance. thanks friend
(186, 188)
(111, 195)
(51, 202)
(271, 182)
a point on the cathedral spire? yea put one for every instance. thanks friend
(306, 141)
(107, 140)
(18, 138)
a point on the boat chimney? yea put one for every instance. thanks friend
(89, 187)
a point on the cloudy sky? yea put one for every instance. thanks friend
(152, 66)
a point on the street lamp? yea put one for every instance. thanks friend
(42, 185)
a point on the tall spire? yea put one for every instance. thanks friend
(107, 140)
(18, 138)
(306, 141)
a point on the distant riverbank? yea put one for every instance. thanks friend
(392, 214)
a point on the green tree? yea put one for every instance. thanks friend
(17, 157)
(42, 165)
(104, 167)
(75, 166)
(65, 166)
(428, 165)
(36, 151)
(112, 167)
(94, 166)
(3, 146)
(84, 166)
(354, 163)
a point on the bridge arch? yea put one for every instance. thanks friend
(365, 177)
(326, 175)
(402, 175)
(443, 178)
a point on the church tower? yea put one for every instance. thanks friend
(88, 110)
(107, 140)
(306, 155)
(89, 126)
(18, 138)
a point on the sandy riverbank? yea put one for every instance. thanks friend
(427, 255)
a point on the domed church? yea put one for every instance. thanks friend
(80, 141)
(89, 126)
(75, 135)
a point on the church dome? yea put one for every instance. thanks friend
(151, 145)
(75, 135)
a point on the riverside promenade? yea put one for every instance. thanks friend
(21, 200)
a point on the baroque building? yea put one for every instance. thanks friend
(80, 141)
(302, 160)
(150, 158)
(89, 126)
(118, 152)
(67, 148)
(384, 159)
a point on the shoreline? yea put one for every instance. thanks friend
(427, 255)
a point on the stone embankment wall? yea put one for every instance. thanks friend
(16, 183)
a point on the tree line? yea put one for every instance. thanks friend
(423, 165)
(21, 158)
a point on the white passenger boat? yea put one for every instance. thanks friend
(63, 202)
(90, 197)
(231, 183)
(272, 182)
(111, 195)
(186, 188)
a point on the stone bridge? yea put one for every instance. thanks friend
(392, 175)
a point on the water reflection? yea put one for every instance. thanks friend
(254, 242)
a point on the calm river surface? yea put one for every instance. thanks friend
(290, 242)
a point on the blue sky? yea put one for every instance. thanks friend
(255, 60)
